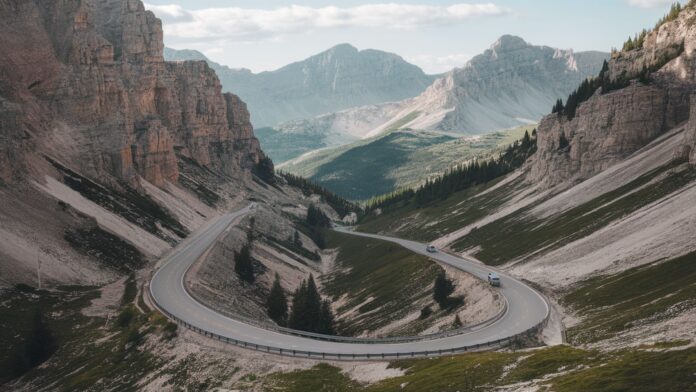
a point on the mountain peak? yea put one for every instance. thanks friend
(509, 42)
(344, 48)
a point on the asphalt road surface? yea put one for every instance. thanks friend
(526, 308)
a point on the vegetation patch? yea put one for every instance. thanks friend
(560, 368)
(406, 219)
(635, 371)
(611, 304)
(382, 280)
(128, 203)
(109, 249)
(284, 146)
(321, 378)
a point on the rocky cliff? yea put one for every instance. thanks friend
(650, 93)
(108, 153)
(85, 82)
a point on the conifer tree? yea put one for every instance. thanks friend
(326, 319)
(243, 264)
(442, 289)
(457, 323)
(277, 303)
(298, 313)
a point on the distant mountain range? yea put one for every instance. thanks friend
(340, 78)
(508, 85)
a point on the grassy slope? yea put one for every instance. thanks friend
(397, 159)
(282, 147)
(568, 370)
(437, 219)
(395, 277)
(519, 235)
(611, 304)
(92, 353)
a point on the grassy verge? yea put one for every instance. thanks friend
(611, 304)
(381, 279)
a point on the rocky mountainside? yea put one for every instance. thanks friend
(511, 84)
(105, 140)
(339, 78)
(647, 91)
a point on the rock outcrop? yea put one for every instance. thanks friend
(687, 151)
(85, 82)
(660, 79)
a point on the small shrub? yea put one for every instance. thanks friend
(126, 317)
(169, 331)
(425, 313)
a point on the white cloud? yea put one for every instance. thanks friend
(649, 3)
(439, 64)
(253, 24)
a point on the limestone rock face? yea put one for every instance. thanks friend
(688, 149)
(85, 81)
(613, 125)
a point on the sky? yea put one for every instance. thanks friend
(437, 35)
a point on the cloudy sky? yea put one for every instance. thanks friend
(437, 35)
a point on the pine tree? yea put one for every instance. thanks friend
(277, 303)
(457, 323)
(265, 170)
(442, 289)
(326, 320)
(313, 305)
(243, 264)
(297, 319)
(558, 107)
(526, 141)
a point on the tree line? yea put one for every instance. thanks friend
(462, 177)
(604, 81)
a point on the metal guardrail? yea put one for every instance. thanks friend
(500, 343)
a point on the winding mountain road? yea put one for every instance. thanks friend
(526, 309)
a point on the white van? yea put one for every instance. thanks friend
(493, 279)
(431, 249)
